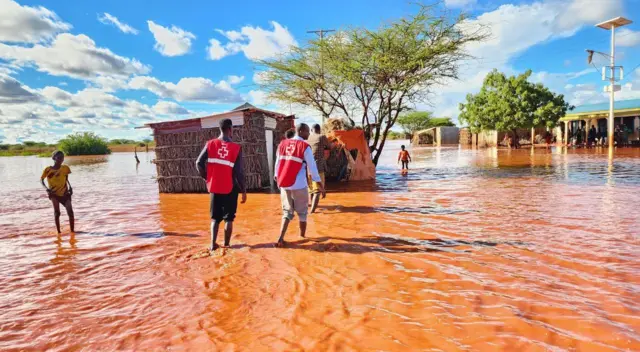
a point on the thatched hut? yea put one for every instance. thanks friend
(178, 144)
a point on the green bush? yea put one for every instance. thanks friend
(4, 147)
(85, 143)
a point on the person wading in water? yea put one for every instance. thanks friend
(405, 158)
(291, 176)
(220, 163)
(58, 179)
(319, 143)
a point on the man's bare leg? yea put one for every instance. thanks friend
(228, 230)
(303, 228)
(56, 213)
(72, 219)
(283, 230)
(315, 199)
(214, 235)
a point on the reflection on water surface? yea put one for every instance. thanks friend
(473, 250)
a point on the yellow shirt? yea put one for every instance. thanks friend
(57, 179)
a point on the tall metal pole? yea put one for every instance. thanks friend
(612, 81)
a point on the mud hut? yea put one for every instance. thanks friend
(178, 144)
(351, 160)
(437, 136)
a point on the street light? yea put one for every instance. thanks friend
(611, 25)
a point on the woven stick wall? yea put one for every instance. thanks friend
(176, 155)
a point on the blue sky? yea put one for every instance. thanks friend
(110, 66)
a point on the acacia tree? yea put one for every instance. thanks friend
(415, 121)
(509, 103)
(371, 76)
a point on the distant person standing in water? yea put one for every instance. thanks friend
(405, 158)
(319, 143)
(220, 163)
(294, 158)
(59, 189)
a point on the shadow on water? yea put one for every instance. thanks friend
(370, 244)
(426, 210)
(158, 234)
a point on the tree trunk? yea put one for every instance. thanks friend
(381, 147)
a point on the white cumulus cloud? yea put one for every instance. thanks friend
(109, 19)
(172, 41)
(514, 29)
(255, 42)
(627, 37)
(71, 55)
(459, 3)
(25, 24)
(188, 89)
(13, 92)
(235, 79)
(169, 108)
(216, 51)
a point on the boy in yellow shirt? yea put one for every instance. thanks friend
(57, 179)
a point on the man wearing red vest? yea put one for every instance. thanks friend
(294, 159)
(220, 163)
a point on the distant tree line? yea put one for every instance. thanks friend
(82, 143)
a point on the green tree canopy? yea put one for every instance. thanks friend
(84, 143)
(419, 120)
(509, 103)
(442, 122)
(370, 77)
(415, 121)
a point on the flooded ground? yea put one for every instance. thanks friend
(473, 250)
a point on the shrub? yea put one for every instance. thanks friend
(4, 147)
(85, 143)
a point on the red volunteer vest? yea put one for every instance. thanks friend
(222, 157)
(291, 154)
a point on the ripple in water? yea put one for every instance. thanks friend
(471, 250)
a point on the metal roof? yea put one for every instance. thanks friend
(243, 107)
(619, 105)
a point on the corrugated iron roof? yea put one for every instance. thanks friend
(619, 105)
(243, 107)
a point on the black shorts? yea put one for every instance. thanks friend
(62, 199)
(224, 206)
(405, 164)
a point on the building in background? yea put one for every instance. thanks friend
(178, 144)
(627, 115)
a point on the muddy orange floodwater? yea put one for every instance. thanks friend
(472, 250)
